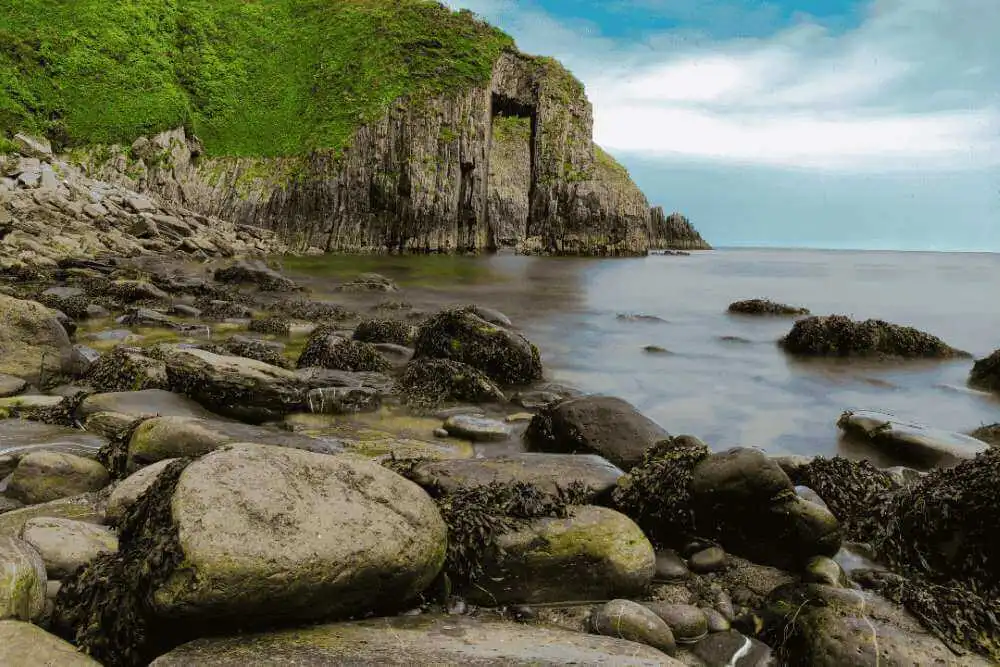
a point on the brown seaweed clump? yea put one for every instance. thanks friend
(274, 325)
(430, 382)
(126, 369)
(104, 608)
(385, 331)
(764, 307)
(656, 493)
(326, 349)
(985, 373)
(840, 336)
(114, 455)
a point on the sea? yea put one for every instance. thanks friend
(717, 376)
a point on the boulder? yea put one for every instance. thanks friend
(87, 507)
(131, 291)
(729, 647)
(126, 369)
(418, 640)
(127, 492)
(909, 441)
(985, 373)
(257, 273)
(11, 386)
(33, 147)
(41, 477)
(266, 535)
(602, 425)
(71, 300)
(429, 382)
(764, 307)
(553, 473)
(397, 355)
(142, 404)
(593, 554)
(32, 341)
(22, 580)
(21, 436)
(840, 336)
(327, 349)
(66, 545)
(477, 429)
(632, 621)
(37, 407)
(273, 326)
(27, 645)
(461, 335)
(251, 348)
(385, 331)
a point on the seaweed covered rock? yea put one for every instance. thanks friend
(71, 300)
(343, 400)
(253, 348)
(88, 507)
(326, 349)
(257, 273)
(989, 433)
(134, 291)
(65, 544)
(461, 335)
(127, 492)
(22, 580)
(39, 407)
(311, 311)
(44, 476)
(840, 336)
(764, 307)
(273, 325)
(985, 373)
(126, 369)
(33, 344)
(222, 309)
(429, 382)
(237, 387)
(385, 331)
(418, 640)
(909, 441)
(602, 425)
(267, 536)
(27, 645)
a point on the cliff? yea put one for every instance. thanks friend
(420, 130)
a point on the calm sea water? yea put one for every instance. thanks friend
(724, 379)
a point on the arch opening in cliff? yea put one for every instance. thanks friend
(511, 179)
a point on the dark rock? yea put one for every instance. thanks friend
(632, 621)
(461, 335)
(670, 566)
(131, 291)
(320, 378)
(312, 311)
(840, 336)
(329, 350)
(429, 382)
(913, 442)
(712, 559)
(385, 331)
(765, 307)
(989, 434)
(126, 369)
(656, 349)
(823, 570)
(639, 317)
(602, 425)
(687, 622)
(257, 273)
(734, 650)
(985, 373)
(717, 622)
(492, 316)
(477, 429)
(221, 309)
(252, 348)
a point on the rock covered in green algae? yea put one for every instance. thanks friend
(840, 336)
(65, 545)
(765, 307)
(41, 477)
(630, 620)
(326, 349)
(430, 382)
(419, 640)
(461, 335)
(604, 425)
(385, 331)
(126, 369)
(266, 535)
(985, 373)
(22, 580)
(26, 645)
(923, 446)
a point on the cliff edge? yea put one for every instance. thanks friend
(358, 126)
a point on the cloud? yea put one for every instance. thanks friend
(913, 86)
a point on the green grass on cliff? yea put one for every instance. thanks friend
(249, 77)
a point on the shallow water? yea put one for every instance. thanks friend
(724, 378)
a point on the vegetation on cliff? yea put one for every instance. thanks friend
(249, 77)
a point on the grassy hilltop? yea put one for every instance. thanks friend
(249, 77)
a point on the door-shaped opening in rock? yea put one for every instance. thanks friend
(511, 180)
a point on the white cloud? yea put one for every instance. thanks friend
(915, 86)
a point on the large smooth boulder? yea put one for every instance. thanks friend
(461, 335)
(142, 404)
(41, 477)
(65, 545)
(22, 580)
(594, 553)
(840, 336)
(985, 373)
(601, 425)
(909, 441)
(552, 473)
(179, 437)
(418, 640)
(32, 341)
(21, 436)
(27, 645)
(266, 535)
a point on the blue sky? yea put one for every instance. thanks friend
(799, 123)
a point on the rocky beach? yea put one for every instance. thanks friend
(216, 451)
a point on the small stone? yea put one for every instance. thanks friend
(11, 385)
(823, 570)
(670, 566)
(716, 621)
(441, 433)
(656, 349)
(712, 559)
(519, 417)
(632, 621)
(477, 429)
(686, 621)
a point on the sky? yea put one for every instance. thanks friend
(868, 124)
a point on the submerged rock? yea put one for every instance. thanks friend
(21, 436)
(28, 645)
(985, 373)
(45, 476)
(765, 307)
(601, 425)
(840, 336)
(927, 447)
(429, 382)
(22, 580)
(632, 621)
(418, 640)
(66, 545)
(32, 341)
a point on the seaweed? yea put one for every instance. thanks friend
(126, 369)
(311, 311)
(385, 331)
(428, 383)
(326, 349)
(114, 455)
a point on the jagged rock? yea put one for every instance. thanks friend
(28, 645)
(32, 341)
(602, 425)
(252, 348)
(423, 640)
(22, 581)
(385, 331)
(329, 350)
(477, 429)
(433, 381)
(33, 147)
(258, 273)
(985, 373)
(461, 335)
(765, 307)
(20, 436)
(312, 311)
(145, 403)
(632, 621)
(275, 326)
(544, 560)
(839, 336)
(553, 473)
(66, 545)
(927, 447)
(989, 434)
(130, 291)
(126, 369)
(41, 477)
(673, 231)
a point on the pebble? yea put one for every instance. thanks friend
(823, 570)
(440, 433)
(670, 566)
(733, 649)
(632, 621)
(687, 622)
(712, 559)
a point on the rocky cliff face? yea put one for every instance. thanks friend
(512, 165)
(674, 232)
